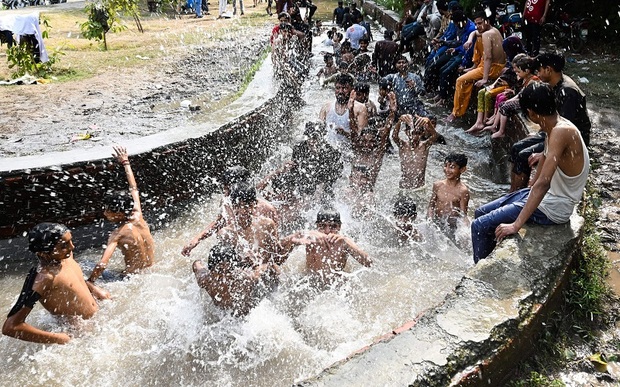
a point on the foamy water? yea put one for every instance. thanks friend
(161, 328)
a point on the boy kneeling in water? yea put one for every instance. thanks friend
(326, 250)
(57, 282)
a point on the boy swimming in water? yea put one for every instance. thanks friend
(450, 197)
(133, 236)
(57, 282)
(327, 250)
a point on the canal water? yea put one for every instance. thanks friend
(161, 329)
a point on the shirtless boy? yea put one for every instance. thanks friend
(414, 143)
(327, 251)
(254, 237)
(231, 176)
(450, 197)
(405, 213)
(133, 236)
(57, 282)
(232, 284)
(370, 145)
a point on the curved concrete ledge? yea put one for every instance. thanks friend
(485, 326)
(482, 329)
(171, 167)
(473, 338)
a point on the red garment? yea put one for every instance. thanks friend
(534, 10)
(274, 33)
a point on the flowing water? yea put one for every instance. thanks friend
(160, 328)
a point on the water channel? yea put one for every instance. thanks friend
(160, 328)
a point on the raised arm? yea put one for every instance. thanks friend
(123, 158)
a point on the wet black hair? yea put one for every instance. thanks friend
(401, 57)
(388, 34)
(328, 56)
(481, 15)
(346, 45)
(118, 201)
(286, 27)
(235, 174)
(442, 5)
(539, 97)
(343, 65)
(524, 62)
(457, 158)
(344, 79)
(328, 214)
(405, 206)
(243, 193)
(365, 39)
(330, 34)
(362, 87)
(315, 129)
(555, 61)
(458, 16)
(221, 253)
(384, 84)
(44, 236)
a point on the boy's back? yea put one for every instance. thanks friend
(135, 241)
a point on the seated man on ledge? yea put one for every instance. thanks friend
(557, 187)
(57, 282)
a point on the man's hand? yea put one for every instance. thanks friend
(504, 230)
(352, 98)
(534, 159)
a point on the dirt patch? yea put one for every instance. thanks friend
(123, 103)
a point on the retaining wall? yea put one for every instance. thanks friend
(171, 168)
(473, 338)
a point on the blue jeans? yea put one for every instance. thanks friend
(503, 210)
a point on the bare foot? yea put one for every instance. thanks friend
(490, 128)
(439, 103)
(497, 135)
(489, 121)
(451, 118)
(478, 126)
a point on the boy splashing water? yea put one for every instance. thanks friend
(133, 236)
(57, 282)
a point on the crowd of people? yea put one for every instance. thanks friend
(353, 133)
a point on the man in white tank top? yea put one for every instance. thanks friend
(344, 117)
(557, 187)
